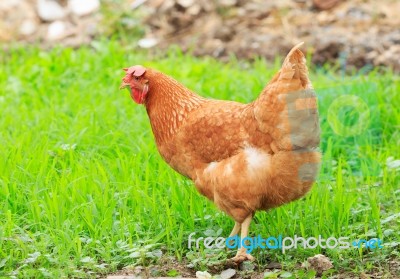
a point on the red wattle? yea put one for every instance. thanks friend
(136, 96)
(139, 96)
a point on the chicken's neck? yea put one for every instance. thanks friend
(167, 105)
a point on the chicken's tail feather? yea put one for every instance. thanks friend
(294, 67)
(287, 108)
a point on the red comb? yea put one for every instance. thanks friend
(137, 70)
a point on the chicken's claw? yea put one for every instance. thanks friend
(239, 258)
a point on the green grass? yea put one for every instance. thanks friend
(83, 190)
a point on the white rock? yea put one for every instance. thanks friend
(28, 27)
(147, 42)
(83, 7)
(56, 30)
(185, 3)
(228, 273)
(203, 275)
(49, 10)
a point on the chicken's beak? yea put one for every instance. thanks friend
(123, 85)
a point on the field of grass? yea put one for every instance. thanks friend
(84, 192)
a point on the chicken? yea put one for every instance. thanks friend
(243, 157)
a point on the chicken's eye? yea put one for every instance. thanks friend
(136, 78)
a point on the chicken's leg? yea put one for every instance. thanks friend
(235, 229)
(241, 254)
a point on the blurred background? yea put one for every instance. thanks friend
(350, 34)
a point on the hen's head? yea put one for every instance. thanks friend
(136, 82)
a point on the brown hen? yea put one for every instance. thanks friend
(243, 157)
